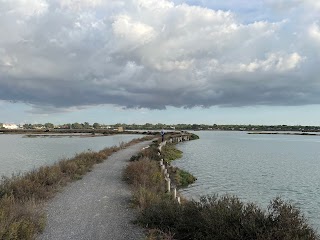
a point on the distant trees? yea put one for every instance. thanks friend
(86, 125)
(76, 125)
(27, 126)
(1, 125)
(49, 125)
(159, 126)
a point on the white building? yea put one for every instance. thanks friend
(10, 126)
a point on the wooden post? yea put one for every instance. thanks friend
(174, 193)
(178, 199)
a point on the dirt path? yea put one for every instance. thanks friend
(96, 207)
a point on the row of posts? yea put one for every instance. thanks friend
(164, 170)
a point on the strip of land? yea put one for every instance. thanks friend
(287, 133)
(97, 206)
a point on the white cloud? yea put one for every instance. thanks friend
(132, 33)
(152, 53)
(274, 62)
(154, 5)
(24, 8)
(80, 4)
(314, 32)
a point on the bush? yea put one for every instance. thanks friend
(19, 219)
(194, 136)
(227, 217)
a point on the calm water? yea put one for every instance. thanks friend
(256, 168)
(19, 154)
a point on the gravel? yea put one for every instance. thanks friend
(97, 206)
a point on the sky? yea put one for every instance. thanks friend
(160, 61)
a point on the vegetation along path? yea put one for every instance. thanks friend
(97, 206)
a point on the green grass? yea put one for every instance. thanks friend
(22, 196)
(183, 178)
(170, 153)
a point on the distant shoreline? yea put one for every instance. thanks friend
(73, 132)
(286, 133)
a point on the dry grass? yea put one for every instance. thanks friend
(147, 182)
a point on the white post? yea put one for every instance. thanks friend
(174, 193)
(163, 168)
(168, 184)
(167, 175)
(178, 199)
(165, 172)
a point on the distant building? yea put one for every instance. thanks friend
(10, 126)
(120, 129)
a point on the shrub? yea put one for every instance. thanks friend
(227, 218)
(20, 219)
(194, 136)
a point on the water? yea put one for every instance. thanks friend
(256, 168)
(20, 154)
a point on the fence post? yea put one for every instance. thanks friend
(168, 184)
(174, 193)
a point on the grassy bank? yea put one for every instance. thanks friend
(180, 178)
(211, 217)
(22, 196)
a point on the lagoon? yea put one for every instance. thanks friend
(20, 154)
(256, 168)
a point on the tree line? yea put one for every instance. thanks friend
(180, 126)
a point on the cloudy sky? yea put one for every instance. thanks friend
(170, 61)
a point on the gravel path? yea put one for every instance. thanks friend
(97, 206)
